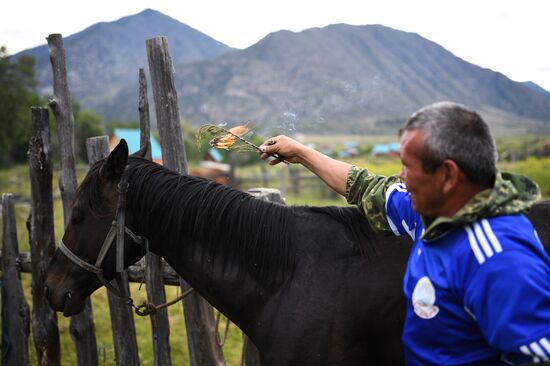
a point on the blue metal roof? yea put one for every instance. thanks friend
(131, 135)
(215, 154)
(385, 148)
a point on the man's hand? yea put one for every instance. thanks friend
(285, 147)
(333, 172)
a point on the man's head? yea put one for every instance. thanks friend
(443, 146)
(452, 131)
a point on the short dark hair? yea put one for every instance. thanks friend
(453, 131)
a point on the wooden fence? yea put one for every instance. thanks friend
(17, 316)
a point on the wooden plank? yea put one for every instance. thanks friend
(82, 326)
(63, 112)
(135, 272)
(166, 104)
(251, 355)
(144, 116)
(160, 325)
(199, 317)
(122, 318)
(15, 310)
(42, 240)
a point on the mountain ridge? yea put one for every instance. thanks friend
(335, 79)
(106, 56)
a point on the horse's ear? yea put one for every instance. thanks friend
(142, 152)
(116, 162)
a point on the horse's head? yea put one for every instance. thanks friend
(94, 209)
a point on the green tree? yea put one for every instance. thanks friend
(86, 124)
(17, 96)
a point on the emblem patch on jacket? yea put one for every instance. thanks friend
(423, 299)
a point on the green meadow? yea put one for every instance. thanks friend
(311, 192)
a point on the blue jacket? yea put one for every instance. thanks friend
(478, 292)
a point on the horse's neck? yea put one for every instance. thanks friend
(193, 245)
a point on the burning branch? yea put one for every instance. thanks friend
(232, 138)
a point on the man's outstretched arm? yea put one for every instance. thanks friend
(333, 172)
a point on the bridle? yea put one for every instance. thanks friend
(118, 230)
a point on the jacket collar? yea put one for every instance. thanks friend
(511, 194)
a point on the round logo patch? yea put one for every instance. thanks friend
(423, 299)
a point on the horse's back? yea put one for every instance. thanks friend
(540, 218)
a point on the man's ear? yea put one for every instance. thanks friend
(450, 175)
(116, 161)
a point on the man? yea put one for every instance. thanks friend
(478, 279)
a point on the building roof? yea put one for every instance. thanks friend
(132, 135)
(382, 149)
(215, 154)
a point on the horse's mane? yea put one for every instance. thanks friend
(356, 224)
(255, 233)
(88, 195)
(222, 220)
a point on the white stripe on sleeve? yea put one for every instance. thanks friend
(400, 187)
(526, 351)
(481, 240)
(474, 245)
(538, 239)
(411, 232)
(491, 235)
(538, 351)
(544, 342)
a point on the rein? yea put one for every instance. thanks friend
(118, 230)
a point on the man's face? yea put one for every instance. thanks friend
(425, 188)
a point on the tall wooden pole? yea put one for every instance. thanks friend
(156, 294)
(82, 325)
(122, 318)
(15, 310)
(199, 317)
(42, 238)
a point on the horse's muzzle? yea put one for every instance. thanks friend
(64, 302)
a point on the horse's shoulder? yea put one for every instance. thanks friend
(539, 215)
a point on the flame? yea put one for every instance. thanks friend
(229, 139)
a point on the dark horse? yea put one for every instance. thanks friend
(309, 286)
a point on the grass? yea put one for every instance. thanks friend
(311, 193)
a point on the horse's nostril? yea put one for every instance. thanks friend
(46, 292)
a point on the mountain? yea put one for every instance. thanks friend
(105, 58)
(535, 87)
(336, 79)
(354, 79)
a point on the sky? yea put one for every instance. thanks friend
(508, 36)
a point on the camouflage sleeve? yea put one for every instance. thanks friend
(368, 192)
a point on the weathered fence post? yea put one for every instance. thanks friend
(199, 317)
(82, 325)
(294, 177)
(251, 356)
(160, 326)
(42, 238)
(265, 176)
(122, 318)
(15, 310)
(63, 111)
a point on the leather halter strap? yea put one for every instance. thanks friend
(117, 231)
